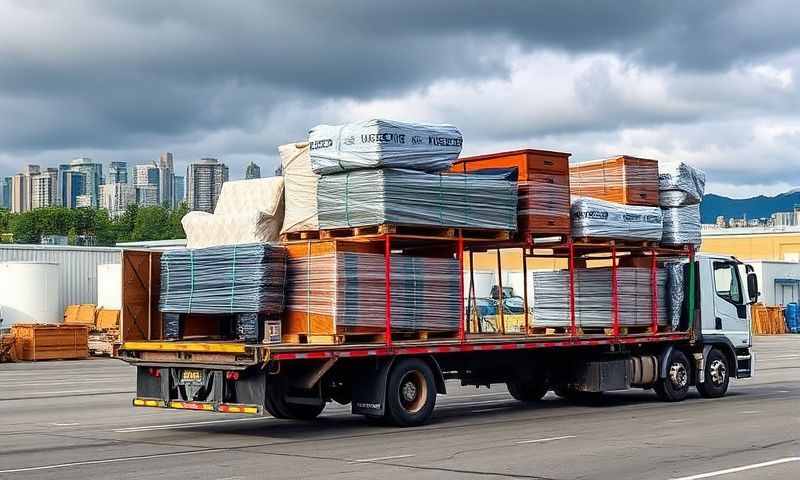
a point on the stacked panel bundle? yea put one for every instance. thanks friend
(381, 143)
(681, 191)
(593, 297)
(300, 188)
(626, 180)
(223, 280)
(601, 219)
(409, 197)
(335, 292)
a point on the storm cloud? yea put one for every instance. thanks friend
(708, 82)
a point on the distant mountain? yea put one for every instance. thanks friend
(754, 207)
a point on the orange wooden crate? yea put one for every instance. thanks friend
(544, 187)
(50, 342)
(623, 179)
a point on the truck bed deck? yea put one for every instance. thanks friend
(231, 352)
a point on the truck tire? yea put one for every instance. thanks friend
(577, 396)
(410, 393)
(275, 403)
(716, 375)
(527, 390)
(304, 412)
(675, 386)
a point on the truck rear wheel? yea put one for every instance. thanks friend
(675, 386)
(527, 390)
(277, 406)
(716, 375)
(410, 393)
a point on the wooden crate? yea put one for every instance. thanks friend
(107, 319)
(767, 320)
(50, 342)
(313, 291)
(543, 187)
(80, 315)
(622, 179)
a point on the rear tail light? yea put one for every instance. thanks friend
(154, 372)
(233, 376)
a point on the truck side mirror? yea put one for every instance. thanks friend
(752, 287)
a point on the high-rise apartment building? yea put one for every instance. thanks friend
(71, 186)
(252, 171)
(6, 198)
(204, 181)
(166, 181)
(179, 188)
(117, 172)
(19, 195)
(147, 195)
(146, 175)
(42, 190)
(94, 177)
(115, 197)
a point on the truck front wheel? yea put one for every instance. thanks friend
(410, 393)
(716, 375)
(675, 386)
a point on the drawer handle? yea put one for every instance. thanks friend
(548, 162)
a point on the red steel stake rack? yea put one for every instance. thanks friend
(387, 265)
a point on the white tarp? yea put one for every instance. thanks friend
(383, 143)
(592, 217)
(300, 188)
(248, 211)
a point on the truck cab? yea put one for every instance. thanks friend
(727, 287)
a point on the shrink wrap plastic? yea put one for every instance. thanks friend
(248, 211)
(593, 297)
(408, 197)
(229, 279)
(675, 290)
(383, 143)
(543, 199)
(351, 288)
(681, 225)
(300, 188)
(680, 184)
(601, 219)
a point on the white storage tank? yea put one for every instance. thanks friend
(109, 286)
(30, 292)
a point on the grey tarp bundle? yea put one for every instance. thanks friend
(592, 217)
(226, 279)
(383, 143)
(351, 288)
(408, 197)
(680, 184)
(681, 225)
(675, 292)
(593, 297)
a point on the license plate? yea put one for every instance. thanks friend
(191, 376)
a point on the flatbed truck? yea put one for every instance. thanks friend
(398, 381)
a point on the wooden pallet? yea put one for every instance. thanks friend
(601, 242)
(415, 231)
(631, 330)
(304, 235)
(360, 338)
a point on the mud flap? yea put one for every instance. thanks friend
(369, 392)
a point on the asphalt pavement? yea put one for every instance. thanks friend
(74, 420)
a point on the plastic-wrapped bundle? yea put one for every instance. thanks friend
(173, 326)
(248, 326)
(229, 279)
(300, 188)
(601, 219)
(544, 204)
(680, 184)
(593, 297)
(248, 211)
(348, 289)
(383, 143)
(675, 292)
(681, 225)
(408, 197)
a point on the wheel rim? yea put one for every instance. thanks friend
(678, 375)
(413, 392)
(717, 372)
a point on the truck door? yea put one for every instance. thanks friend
(730, 306)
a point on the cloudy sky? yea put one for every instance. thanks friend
(712, 83)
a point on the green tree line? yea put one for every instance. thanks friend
(136, 224)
